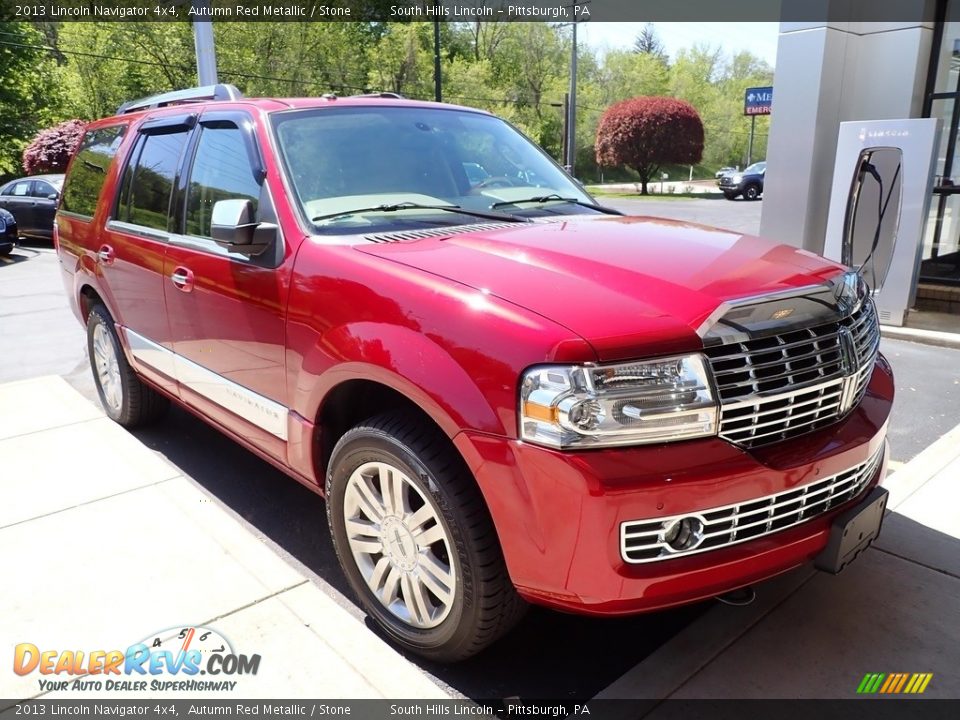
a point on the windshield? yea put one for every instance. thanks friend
(756, 168)
(345, 163)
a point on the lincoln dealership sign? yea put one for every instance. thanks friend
(757, 101)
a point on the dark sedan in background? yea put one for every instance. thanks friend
(33, 202)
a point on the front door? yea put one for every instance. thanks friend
(226, 308)
(17, 199)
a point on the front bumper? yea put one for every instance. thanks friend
(558, 514)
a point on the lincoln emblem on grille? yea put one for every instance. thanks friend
(848, 349)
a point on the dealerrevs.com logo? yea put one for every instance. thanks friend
(172, 659)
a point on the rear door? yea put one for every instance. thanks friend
(135, 239)
(44, 197)
(227, 308)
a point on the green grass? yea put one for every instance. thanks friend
(599, 191)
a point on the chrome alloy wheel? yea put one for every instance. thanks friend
(108, 367)
(399, 544)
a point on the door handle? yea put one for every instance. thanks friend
(182, 279)
(105, 255)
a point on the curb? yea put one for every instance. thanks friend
(924, 337)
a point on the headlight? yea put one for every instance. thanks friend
(588, 406)
(736, 178)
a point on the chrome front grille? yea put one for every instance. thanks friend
(643, 541)
(785, 385)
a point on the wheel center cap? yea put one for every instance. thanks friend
(398, 544)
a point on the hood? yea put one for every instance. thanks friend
(627, 285)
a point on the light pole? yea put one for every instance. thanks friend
(572, 106)
(437, 94)
(203, 43)
(571, 144)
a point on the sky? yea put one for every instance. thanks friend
(759, 38)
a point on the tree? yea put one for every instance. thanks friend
(50, 150)
(646, 133)
(29, 92)
(648, 43)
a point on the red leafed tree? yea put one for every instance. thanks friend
(50, 150)
(646, 133)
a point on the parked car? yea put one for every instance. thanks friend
(725, 171)
(508, 394)
(33, 202)
(8, 232)
(748, 183)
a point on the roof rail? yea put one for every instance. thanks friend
(208, 92)
(385, 95)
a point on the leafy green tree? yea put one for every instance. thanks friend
(30, 96)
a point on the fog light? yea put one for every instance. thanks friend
(683, 534)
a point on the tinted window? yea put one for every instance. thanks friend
(21, 188)
(43, 189)
(89, 169)
(148, 180)
(221, 171)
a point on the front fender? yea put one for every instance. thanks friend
(406, 361)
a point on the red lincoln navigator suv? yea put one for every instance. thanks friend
(506, 392)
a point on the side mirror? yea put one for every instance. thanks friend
(53, 196)
(234, 227)
(872, 219)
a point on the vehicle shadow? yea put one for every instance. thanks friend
(22, 251)
(550, 655)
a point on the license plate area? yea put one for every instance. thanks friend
(852, 532)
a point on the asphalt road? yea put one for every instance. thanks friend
(550, 655)
(739, 215)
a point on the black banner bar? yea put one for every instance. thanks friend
(872, 708)
(819, 11)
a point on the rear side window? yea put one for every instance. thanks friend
(148, 180)
(221, 171)
(89, 170)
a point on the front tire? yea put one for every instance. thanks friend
(124, 397)
(751, 192)
(730, 195)
(415, 539)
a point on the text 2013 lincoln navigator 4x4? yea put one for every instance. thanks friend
(506, 392)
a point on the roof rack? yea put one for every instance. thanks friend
(385, 95)
(208, 92)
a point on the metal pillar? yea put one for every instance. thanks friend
(206, 51)
(753, 127)
(572, 111)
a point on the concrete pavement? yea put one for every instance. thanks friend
(812, 635)
(103, 544)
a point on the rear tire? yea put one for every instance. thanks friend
(415, 539)
(125, 398)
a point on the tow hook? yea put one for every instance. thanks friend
(740, 597)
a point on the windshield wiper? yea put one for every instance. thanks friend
(554, 197)
(417, 206)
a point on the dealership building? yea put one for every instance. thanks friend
(831, 72)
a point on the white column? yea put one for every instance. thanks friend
(827, 73)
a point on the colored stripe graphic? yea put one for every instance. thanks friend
(894, 683)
